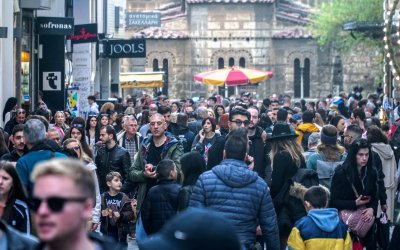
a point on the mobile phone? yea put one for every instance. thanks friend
(154, 168)
(364, 197)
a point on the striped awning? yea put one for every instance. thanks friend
(141, 79)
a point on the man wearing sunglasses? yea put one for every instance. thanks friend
(157, 146)
(18, 119)
(238, 118)
(62, 204)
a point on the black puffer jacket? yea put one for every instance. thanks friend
(115, 159)
(160, 205)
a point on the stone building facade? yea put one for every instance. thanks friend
(201, 35)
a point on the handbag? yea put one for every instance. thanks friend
(383, 231)
(353, 219)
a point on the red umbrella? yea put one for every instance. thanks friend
(233, 76)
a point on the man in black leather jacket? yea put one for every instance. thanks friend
(111, 157)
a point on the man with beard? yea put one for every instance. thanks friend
(18, 119)
(111, 157)
(257, 148)
(157, 146)
(17, 139)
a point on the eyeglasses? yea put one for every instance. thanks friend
(55, 204)
(239, 123)
(75, 148)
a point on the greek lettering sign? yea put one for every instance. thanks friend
(85, 33)
(135, 48)
(143, 19)
(55, 26)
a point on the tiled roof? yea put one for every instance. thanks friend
(159, 33)
(229, 1)
(293, 33)
(293, 12)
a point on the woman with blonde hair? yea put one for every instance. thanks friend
(286, 157)
(328, 156)
(74, 147)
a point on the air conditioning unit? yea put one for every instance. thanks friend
(35, 4)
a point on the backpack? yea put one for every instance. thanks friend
(325, 171)
(395, 142)
(304, 140)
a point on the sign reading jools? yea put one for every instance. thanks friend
(55, 26)
(135, 48)
(143, 19)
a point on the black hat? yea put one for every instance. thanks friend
(194, 229)
(282, 130)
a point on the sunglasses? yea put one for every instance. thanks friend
(21, 111)
(75, 148)
(55, 204)
(77, 125)
(239, 123)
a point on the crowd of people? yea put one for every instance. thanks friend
(209, 173)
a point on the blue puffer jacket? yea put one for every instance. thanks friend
(242, 197)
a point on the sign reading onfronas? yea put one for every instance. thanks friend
(135, 48)
(143, 19)
(55, 26)
(84, 33)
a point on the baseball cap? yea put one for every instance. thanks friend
(194, 229)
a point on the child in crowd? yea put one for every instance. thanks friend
(116, 209)
(161, 202)
(321, 228)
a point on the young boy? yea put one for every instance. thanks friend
(116, 209)
(321, 228)
(161, 201)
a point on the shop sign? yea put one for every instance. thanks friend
(84, 33)
(55, 26)
(147, 19)
(135, 48)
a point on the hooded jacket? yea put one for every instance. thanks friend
(172, 150)
(389, 169)
(242, 197)
(320, 229)
(305, 128)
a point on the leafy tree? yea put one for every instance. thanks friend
(326, 23)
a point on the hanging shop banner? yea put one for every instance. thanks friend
(135, 48)
(139, 19)
(84, 33)
(52, 71)
(55, 26)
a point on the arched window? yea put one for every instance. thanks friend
(155, 65)
(297, 78)
(221, 63)
(306, 78)
(166, 76)
(231, 62)
(242, 62)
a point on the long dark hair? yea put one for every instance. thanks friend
(350, 164)
(192, 165)
(8, 106)
(85, 146)
(17, 191)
